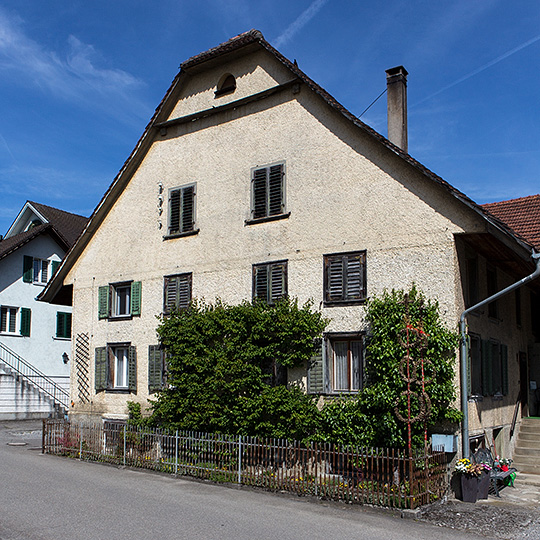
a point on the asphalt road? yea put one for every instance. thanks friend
(47, 497)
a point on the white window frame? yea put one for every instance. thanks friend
(40, 271)
(119, 310)
(121, 366)
(11, 318)
(354, 366)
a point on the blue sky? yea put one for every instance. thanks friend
(79, 81)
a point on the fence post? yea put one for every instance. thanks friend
(80, 442)
(176, 454)
(240, 459)
(124, 445)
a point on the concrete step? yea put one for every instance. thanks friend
(528, 443)
(523, 436)
(528, 479)
(527, 467)
(527, 451)
(529, 427)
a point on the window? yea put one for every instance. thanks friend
(182, 210)
(345, 364)
(493, 310)
(338, 366)
(270, 281)
(345, 277)
(156, 368)
(471, 293)
(35, 270)
(116, 368)
(488, 367)
(227, 85)
(8, 320)
(119, 300)
(268, 191)
(63, 325)
(177, 292)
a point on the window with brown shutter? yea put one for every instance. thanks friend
(176, 292)
(345, 278)
(270, 281)
(182, 210)
(268, 192)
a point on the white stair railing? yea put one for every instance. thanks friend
(26, 372)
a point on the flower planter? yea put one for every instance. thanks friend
(469, 488)
(483, 485)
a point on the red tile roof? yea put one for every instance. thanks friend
(521, 215)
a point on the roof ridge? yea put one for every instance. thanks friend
(56, 209)
(526, 197)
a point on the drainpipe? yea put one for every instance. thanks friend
(465, 352)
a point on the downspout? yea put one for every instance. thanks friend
(465, 352)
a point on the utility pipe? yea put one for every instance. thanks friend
(465, 351)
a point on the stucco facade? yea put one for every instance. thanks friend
(345, 190)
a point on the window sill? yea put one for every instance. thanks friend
(56, 338)
(181, 235)
(119, 391)
(120, 318)
(475, 398)
(9, 334)
(266, 219)
(337, 303)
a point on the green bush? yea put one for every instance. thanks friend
(225, 366)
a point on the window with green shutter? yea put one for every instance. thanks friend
(345, 278)
(8, 319)
(487, 367)
(54, 267)
(63, 325)
(116, 368)
(120, 300)
(270, 281)
(28, 269)
(26, 319)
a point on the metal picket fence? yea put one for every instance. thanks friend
(377, 476)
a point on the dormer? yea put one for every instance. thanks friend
(28, 218)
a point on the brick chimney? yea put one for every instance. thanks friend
(396, 90)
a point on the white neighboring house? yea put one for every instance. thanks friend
(35, 337)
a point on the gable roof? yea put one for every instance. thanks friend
(65, 227)
(521, 215)
(246, 42)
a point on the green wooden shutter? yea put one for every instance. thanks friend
(28, 269)
(103, 302)
(504, 369)
(26, 317)
(155, 368)
(315, 379)
(101, 369)
(487, 368)
(63, 325)
(132, 370)
(54, 267)
(136, 290)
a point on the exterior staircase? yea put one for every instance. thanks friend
(26, 392)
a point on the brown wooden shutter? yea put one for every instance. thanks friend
(260, 282)
(184, 291)
(170, 294)
(188, 208)
(174, 211)
(278, 282)
(275, 190)
(259, 193)
(335, 279)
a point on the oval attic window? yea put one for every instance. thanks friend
(227, 85)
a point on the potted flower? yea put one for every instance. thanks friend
(505, 463)
(469, 473)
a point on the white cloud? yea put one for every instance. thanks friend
(299, 23)
(77, 78)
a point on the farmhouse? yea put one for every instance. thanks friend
(251, 181)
